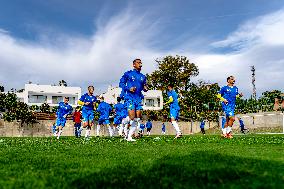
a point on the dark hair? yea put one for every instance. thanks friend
(118, 99)
(136, 60)
(170, 85)
(66, 97)
(228, 78)
(91, 86)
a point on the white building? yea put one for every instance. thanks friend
(153, 99)
(38, 94)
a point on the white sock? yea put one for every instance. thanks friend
(98, 130)
(138, 123)
(87, 134)
(59, 133)
(131, 121)
(132, 129)
(229, 129)
(125, 130)
(120, 129)
(224, 131)
(114, 129)
(110, 131)
(175, 124)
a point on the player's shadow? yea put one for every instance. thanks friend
(198, 170)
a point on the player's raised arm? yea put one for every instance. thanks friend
(171, 99)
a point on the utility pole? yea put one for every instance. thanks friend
(253, 83)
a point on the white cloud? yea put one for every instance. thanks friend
(99, 60)
(258, 42)
(102, 58)
(3, 31)
(265, 29)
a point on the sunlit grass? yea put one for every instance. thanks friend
(248, 161)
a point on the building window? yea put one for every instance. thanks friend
(72, 100)
(37, 98)
(57, 99)
(150, 103)
(159, 101)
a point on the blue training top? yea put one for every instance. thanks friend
(119, 108)
(202, 124)
(64, 109)
(174, 95)
(142, 126)
(132, 78)
(104, 109)
(229, 93)
(86, 98)
(149, 125)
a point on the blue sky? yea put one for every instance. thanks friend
(56, 39)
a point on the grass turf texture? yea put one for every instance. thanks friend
(249, 161)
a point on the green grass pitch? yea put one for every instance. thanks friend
(248, 161)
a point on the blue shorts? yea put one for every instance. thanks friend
(118, 119)
(134, 104)
(103, 121)
(174, 113)
(88, 115)
(229, 109)
(60, 121)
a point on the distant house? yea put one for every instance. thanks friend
(153, 99)
(34, 94)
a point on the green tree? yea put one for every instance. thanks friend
(2, 102)
(34, 108)
(177, 71)
(271, 95)
(200, 98)
(54, 109)
(195, 98)
(45, 108)
(15, 110)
